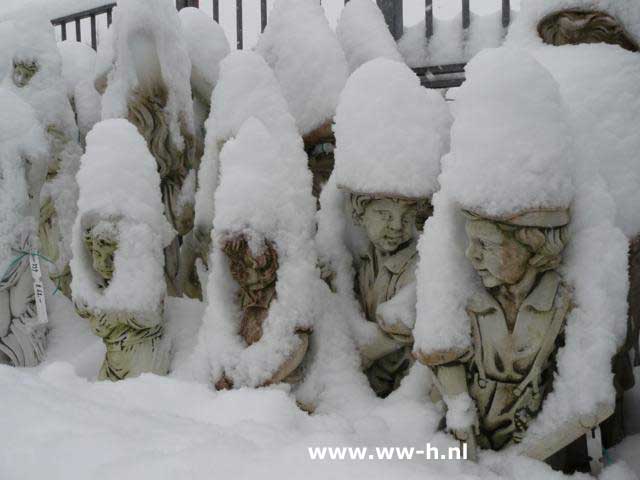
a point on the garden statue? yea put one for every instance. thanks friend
(262, 279)
(517, 323)
(119, 235)
(23, 158)
(37, 79)
(150, 74)
(311, 89)
(382, 188)
(246, 88)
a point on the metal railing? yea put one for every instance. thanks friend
(439, 76)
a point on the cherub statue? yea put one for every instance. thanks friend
(23, 153)
(37, 78)
(118, 262)
(383, 271)
(256, 276)
(134, 340)
(517, 323)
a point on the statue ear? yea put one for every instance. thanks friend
(357, 205)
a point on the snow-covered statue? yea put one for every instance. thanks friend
(23, 165)
(263, 279)
(246, 88)
(597, 69)
(309, 63)
(576, 26)
(149, 83)
(118, 241)
(499, 280)
(387, 161)
(37, 79)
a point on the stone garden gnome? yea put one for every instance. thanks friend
(310, 66)
(493, 297)
(23, 166)
(118, 242)
(387, 160)
(36, 77)
(149, 83)
(257, 327)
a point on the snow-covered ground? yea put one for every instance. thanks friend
(58, 423)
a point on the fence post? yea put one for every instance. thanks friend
(180, 4)
(392, 11)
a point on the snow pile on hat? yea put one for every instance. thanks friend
(246, 88)
(119, 182)
(309, 63)
(390, 132)
(207, 45)
(510, 139)
(264, 195)
(143, 31)
(364, 35)
(21, 138)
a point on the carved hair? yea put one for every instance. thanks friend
(546, 244)
(578, 26)
(359, 202)
(237, 249)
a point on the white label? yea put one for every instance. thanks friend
(38, 289)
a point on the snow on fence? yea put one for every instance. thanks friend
(435, 76)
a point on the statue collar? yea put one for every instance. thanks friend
(540, 299)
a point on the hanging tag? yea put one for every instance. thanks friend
(38, 289)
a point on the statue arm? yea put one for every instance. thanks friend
(293, 361)
(139, 320)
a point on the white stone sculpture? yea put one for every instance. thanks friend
(118, 241)
(23, 158)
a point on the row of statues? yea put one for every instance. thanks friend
(151, 241)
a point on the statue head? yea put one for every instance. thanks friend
(252, 271)
(502, 253)
(389, 222)
(101, 242)
(23, 72)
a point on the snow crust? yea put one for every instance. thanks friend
(207, 45)
(364, 35)
(393, 144)
(307, 59)
(119, 182)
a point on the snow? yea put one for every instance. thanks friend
(450, 43)
(118, 181)
(524, 30)
(207, 45)
(307, 59)
(21, 138)
(390, 132)
(149, 30)
(364, 35)
(246, 88)
(509, 155)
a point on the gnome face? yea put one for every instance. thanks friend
(389, 223)
(101, 243)
(495, 254)
(23, 72)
